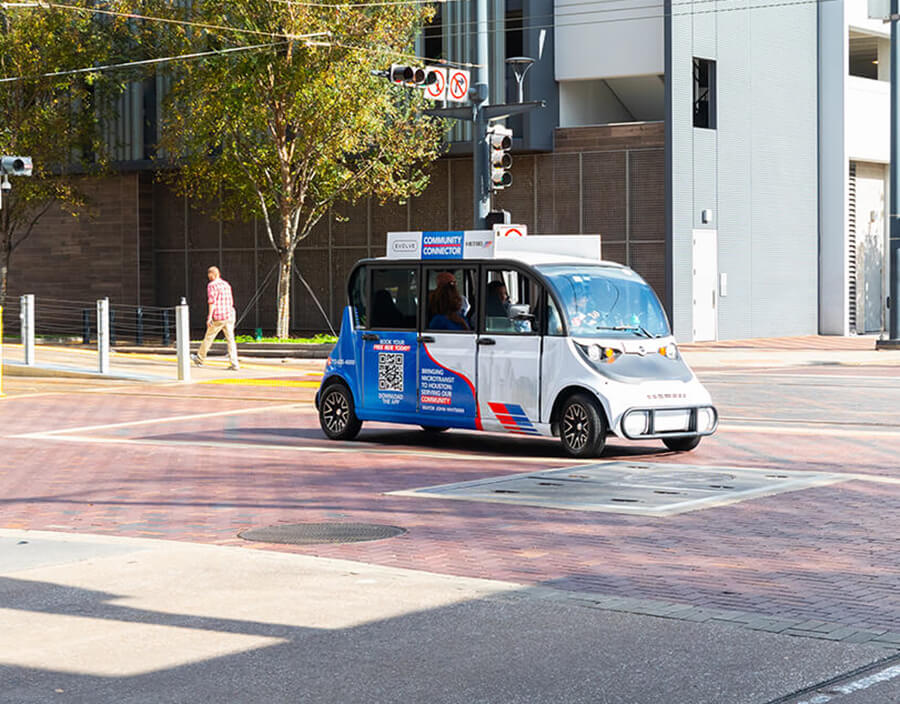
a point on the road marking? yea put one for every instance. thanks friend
(150, 421)
(549, 461)
(837, 691)
(838, 432)
(266, 382)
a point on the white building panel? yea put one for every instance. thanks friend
(608, 38)
(868, 125)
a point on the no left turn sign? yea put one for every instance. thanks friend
(458, 85)
(438, 89)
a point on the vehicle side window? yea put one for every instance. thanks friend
(554, 319)
(450, 301)
(358, 296)
(395, 301)
(511, 303)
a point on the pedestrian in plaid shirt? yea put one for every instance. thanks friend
(221, 317)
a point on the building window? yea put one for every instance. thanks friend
(863, 56)
(705, 93)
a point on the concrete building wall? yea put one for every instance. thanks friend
(608, 38)
(755, 172)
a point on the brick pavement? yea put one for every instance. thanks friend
(823, 556)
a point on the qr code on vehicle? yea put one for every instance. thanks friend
(390, 371)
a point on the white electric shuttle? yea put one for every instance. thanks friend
(528, 335)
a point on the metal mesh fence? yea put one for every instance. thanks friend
(618, 194)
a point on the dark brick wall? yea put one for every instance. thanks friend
(107, 250)
(142, 244)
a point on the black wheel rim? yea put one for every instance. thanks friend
(335, 412)
(576, 427)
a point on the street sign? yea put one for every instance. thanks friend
(458, 85)
(436, 90)
(502, 231)
(880, 10)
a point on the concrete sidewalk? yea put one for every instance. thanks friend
(79, 362)
(105, 619)
(809, 351)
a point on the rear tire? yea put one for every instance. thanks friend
(582, 426)
(684, 444)
(434, 428)
(336, 413)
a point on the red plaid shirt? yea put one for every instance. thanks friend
(221, 302)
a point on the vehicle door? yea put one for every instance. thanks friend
(389, 359)
(447, 347)
(509, 350)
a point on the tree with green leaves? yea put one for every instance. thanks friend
(289, 130)
(49, 109)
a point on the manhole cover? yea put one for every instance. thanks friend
(313, 533)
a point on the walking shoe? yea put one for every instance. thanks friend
(196, 360)
(233, 368)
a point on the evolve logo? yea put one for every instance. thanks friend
(404, 247)
(442, 245)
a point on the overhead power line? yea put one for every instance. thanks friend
(142, 62)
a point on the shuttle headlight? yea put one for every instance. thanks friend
(670, 351)
(635, 423)
(600, 354)
(706, 419)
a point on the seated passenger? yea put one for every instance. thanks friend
(385, 313)
(446, 305)
(497, 303)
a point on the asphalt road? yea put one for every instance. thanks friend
(137, 587)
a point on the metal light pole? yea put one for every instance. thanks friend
(480, 114)
(894, 219)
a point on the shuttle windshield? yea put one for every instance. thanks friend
(604, 301)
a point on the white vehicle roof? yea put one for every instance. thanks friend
(534, 250)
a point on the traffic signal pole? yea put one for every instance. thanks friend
(480, 163)
(480, 115)
(894, 219)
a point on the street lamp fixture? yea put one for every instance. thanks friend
(520, 66)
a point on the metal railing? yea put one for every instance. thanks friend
(64, 321)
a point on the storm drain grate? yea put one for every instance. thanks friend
(314, 533)
(637, 488)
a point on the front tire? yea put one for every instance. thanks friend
(582, 427)
(683, 444)
(434, 428)
(337, 416)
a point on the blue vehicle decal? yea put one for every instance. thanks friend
(389, 373)
(513, 419)
(342, 360)
(447, 393)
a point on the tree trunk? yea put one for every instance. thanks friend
(283, 324)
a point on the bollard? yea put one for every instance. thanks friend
(103, 335)
(26, 317)
(1, 353)
(183, 341)
(85, 326)
(139, 327)
(166, 334)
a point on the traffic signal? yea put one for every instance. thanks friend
(407, 75)
(16, 165)
(499, 139)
